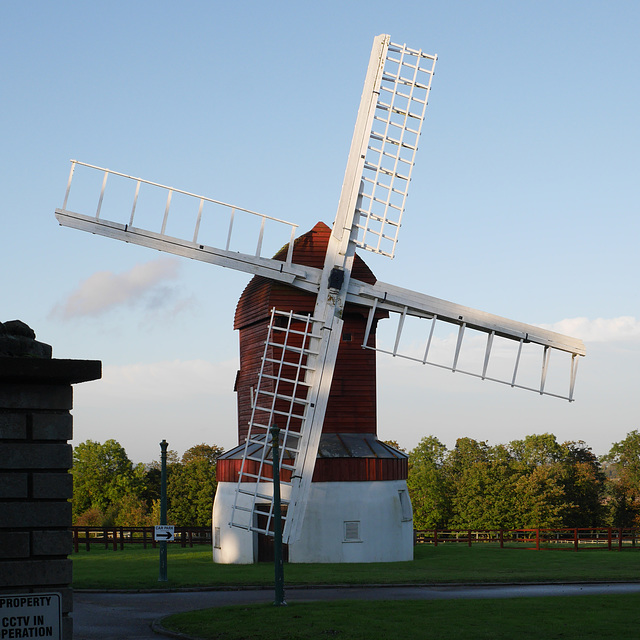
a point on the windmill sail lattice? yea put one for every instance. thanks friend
(374, 189)
(281, 397)
(541, 346)
(300, 351)
(403, 93)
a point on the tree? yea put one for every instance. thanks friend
(102, 476)
(90, 518)
(540, 464)
(132, 512)
(191, 488)
(466, 452)
(541, 496)
(483, 479)
(624, 489)
(152, 479)
(427, 484)
(536, 450)
(203, 451)
(584, 486)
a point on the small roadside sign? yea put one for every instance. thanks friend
(163, 533)
(30, 615)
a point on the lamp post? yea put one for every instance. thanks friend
(277, 519)
(163, 509)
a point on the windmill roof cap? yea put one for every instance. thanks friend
(262, 294)
(335, 445)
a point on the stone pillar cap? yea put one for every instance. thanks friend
(18, 340)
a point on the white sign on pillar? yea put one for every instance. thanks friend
(33, 615)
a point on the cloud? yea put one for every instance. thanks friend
(184, 401)
(142, 284)
(169, 381)
(590, 330)
(623, 328)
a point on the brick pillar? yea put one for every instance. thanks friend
(36, 397)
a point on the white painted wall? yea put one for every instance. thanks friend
(385, 525)
(237, 546)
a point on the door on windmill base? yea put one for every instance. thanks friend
(266, 551)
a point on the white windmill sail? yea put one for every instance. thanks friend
(403, 94)
(186, 237)
(405, 304)
(369, 216)
(374, 188)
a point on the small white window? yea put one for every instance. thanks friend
(352, 531)
(405, 505)
(216, 537)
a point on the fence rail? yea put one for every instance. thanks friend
(538, 539)
(117, 537)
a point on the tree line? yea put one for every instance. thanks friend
(109, 490)
(536, 482)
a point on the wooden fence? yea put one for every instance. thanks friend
(574, 539)
(116, 537)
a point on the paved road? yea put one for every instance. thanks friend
(128, 616)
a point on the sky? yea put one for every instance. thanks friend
(523, 203)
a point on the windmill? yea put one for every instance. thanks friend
(301, 349)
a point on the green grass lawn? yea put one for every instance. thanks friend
(137, 568)
(561, 617)
(584, 617)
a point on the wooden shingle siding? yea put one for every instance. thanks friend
(328, 470)
(251, 350)
(229, 470)
(359, 469)
(352, 398)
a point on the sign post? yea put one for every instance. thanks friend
(277, 519)
(163, 510)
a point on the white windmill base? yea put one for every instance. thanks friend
(344, 522)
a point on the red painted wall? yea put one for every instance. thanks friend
(352, 400)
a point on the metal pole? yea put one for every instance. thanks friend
(163, 509)
(277, 519)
